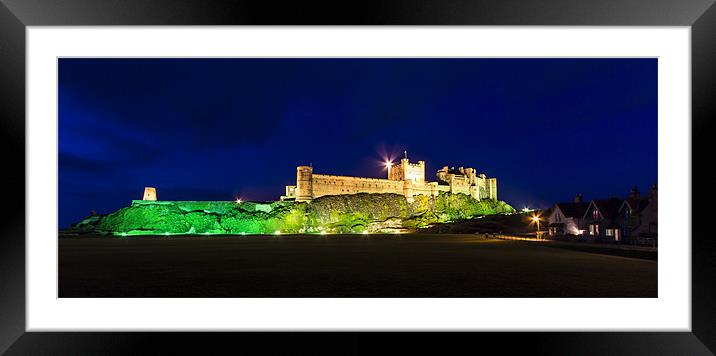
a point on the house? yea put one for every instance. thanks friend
(600, 220)
(637, 216)
(567, 218)
(630, 220)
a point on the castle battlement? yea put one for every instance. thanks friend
(404, 178)
(340, 177)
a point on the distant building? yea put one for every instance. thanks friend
(150, 193)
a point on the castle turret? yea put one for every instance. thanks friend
(470, 174)
(304, 183)
(150, 193)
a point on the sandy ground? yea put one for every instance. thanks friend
(343, 266)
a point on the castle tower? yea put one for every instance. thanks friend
(408, 171)
(421, 170)
(404, 167)
(304, 183)
(150, 193)
(492, 188)
(470, 174)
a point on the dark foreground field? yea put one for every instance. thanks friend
(343, 266)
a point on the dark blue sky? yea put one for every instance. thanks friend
(215, 129)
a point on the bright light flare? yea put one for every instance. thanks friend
(535, 219)
(239, 201)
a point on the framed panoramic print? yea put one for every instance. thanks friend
(473, 166)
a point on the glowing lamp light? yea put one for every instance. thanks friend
(124, 234)
(239, 201)
(365, 232)
(535, 218)
(278, 232)
(323, 232)
(243, 233)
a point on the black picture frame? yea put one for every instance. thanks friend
(15, 15)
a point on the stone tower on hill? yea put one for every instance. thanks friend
(150, 193)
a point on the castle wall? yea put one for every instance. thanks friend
(324, 184)
(428, 189)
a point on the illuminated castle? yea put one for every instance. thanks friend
(404, 178)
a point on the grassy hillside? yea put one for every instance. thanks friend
(331, 214)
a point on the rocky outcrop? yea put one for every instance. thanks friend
(355, 213)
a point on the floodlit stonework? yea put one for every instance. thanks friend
(404, 178)
(150, 193)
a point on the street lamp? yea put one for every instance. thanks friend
(535, 219)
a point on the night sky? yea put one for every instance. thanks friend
(217, 129)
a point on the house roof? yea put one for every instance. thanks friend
(636, 204)
(608, 207)
(573, 210)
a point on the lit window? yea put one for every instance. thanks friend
(610, 232)
(591, 229)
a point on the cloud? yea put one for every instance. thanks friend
(80, 164)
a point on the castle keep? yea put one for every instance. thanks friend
(405, 178)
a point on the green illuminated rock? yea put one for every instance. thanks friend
(333, 214)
